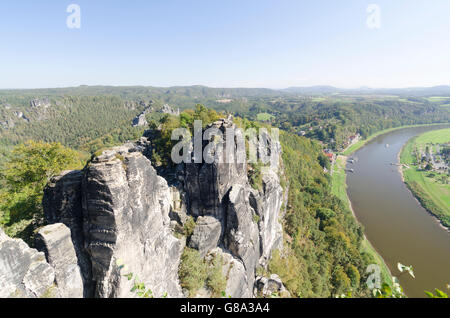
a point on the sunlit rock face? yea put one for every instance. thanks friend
(126, 209)
(120, 212)
(56, 242)
(24, 272)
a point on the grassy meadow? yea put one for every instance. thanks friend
(428, 186)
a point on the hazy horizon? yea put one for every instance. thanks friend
(251, 44)
(233, 87)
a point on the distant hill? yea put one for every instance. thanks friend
(201, 92)
(411, 91)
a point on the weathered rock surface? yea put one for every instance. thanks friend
(207, 233)
(234, 270)
(43, 102)
(139, 121)
(221, 191)
(266, 287)
(242, 234)
(24, 271)
(166, 109)
(55, 241)
(126, 217)
(119, 210)
(207, 184)
(271, 200)
(62, 204)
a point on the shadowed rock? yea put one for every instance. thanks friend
(55, 241)
(206, 234)
(62, 204)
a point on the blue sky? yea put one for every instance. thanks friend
(227, 43)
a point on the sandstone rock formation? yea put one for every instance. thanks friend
(220, 192)
(118, 210)
(40, 102)
(207, 233)
(266, 287)
(62, 204)
(126, 217)
(139, 121)
(166, 109)
(55, 241)
(24, 271)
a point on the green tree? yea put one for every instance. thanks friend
(29, 168)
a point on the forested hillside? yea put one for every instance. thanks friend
(323, 255)
(89, 118)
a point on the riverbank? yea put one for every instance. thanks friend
(339, 189)
(353, 148)
(426, 186)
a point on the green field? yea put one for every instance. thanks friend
(339, 185)
(264, 116)
(427, 186)
(339, 189)
(438, 98)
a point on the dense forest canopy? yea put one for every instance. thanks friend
(90, 117)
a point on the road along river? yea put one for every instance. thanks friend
(394, 221)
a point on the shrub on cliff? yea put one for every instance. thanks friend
(196, 272)
(29, 167)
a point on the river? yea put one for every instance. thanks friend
(394, 222)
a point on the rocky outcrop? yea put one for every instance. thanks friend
(139, 121)
(55, 241)
(126, 217)
(62, 204)
(235, 273)
(8, 124)
(208, 184)
(20, 115)
(207, 234)
(42, 102)
(166, 109)
(120, 211)
(266, 287)
(242, 234)
(24, 271)
(132, 105)
(220, 193)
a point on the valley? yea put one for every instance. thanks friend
(116, 141)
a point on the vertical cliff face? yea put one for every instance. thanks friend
(62, 204)
(207, 184)
(118, 210)
(221, 197)
(56, 242)
(126, 209)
